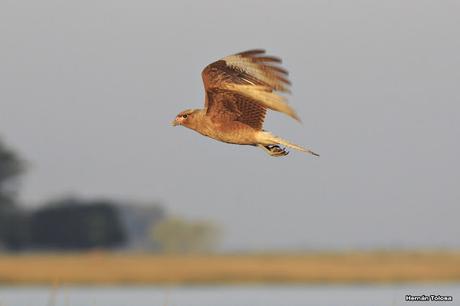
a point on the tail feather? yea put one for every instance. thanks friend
(267, 138)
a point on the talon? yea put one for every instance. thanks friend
(275, 150)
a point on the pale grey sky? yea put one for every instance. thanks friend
(88, 88)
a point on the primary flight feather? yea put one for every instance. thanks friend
(238, 91)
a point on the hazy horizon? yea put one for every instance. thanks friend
(88, 88)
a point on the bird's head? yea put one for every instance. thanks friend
(185, 117)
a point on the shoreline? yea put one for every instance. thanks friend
(106, 268)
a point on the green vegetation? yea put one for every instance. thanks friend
(177, 235)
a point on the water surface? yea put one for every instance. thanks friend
(251, 295)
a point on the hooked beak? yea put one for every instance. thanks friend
(174, 122)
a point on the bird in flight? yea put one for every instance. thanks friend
(239, 89)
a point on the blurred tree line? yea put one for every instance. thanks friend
(10, 169)
(79, 224)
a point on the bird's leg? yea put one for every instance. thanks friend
(274, 150)
(277, 150)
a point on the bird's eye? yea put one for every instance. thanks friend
(184, 116)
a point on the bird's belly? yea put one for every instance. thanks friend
(241, 135)
(240, 139)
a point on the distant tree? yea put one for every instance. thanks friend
(76, 224)
(176, 235)
(11, 167)
(16, 231)
(137, 219)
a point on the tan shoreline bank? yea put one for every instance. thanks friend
(115, 268)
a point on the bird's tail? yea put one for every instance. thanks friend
(267, 138)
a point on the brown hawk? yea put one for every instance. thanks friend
(239, 89)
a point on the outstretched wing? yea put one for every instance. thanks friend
(228, 105)
(247, 78)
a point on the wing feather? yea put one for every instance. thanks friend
(268, 99)
(250, 74)
(230, 105)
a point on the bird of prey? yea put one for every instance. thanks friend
(239, 89)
